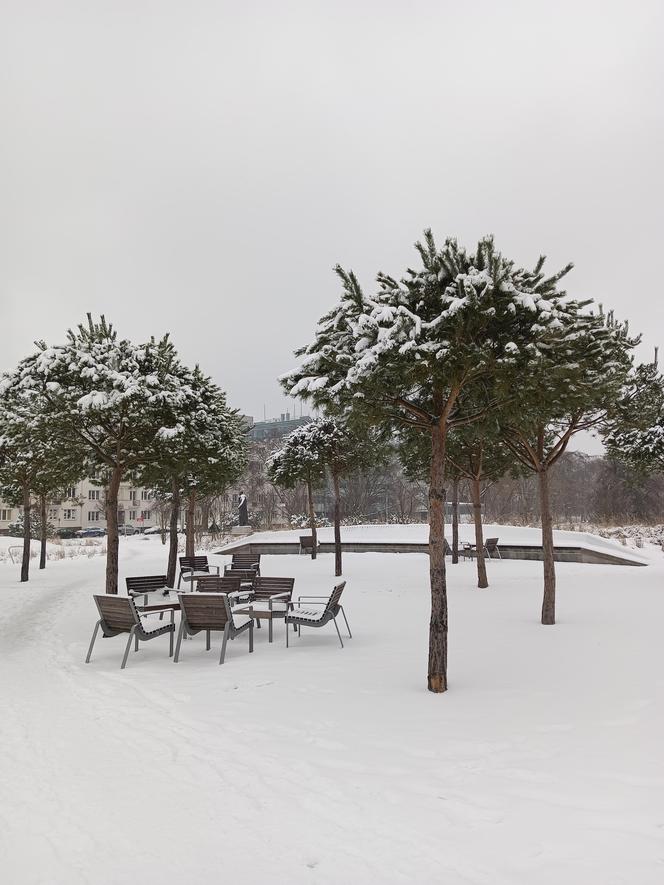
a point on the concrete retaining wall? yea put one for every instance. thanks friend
(508, 551)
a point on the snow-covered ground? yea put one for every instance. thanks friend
(12, 548)
(419, 533)
(542, 764)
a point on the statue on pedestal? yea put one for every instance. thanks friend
(243, 518)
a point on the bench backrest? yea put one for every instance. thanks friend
(491, 543)
(143, 583)
(245, 560)
(218, 584)
(205, 611)
(198, 563)
(265, 586)
(117, 612)
(306, 542)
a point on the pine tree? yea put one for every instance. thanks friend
(403, 356)
(634, 435)
(199, 456)
(112, 397)
(300, 460)
(32, 464)
(573, 386)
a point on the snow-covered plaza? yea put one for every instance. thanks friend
(542, 763)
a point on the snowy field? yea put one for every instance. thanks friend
(541, 765)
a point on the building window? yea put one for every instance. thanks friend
(70, 514)
(145, 514)
(93, 494)
(70, 492)
(52, 514)
(5, 515)
(132, 515)
(93, 516)
(146, 496)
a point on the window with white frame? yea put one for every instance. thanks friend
(5, 515)
(53, 513)
(93, 494)
(93, 516)
(145, 495)
(70, 492)
(132, 515)
(70, 513)
(145, 514)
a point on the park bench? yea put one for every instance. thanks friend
(118, 614)
(316, 611)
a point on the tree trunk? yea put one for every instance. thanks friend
(112, 536)
(191, 518)
(173, 535)
(455, 521)
(42, 550)
(312, 520)
(25, 561)
(482, 580)
(437, 670)
(549, 600)
(337, 526)
(205, 516)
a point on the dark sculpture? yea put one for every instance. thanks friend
(242, 510)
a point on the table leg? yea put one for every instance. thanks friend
(269, 630)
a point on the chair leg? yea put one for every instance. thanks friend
(179, 579)
(338, 633)
(132, 633)
(287, 634)
(269, 631)
(179, 642)
(346, 620)
(94, 636)
(223, 644)
(170, 643)
(135, 641)
(207, 640)
(251, 636)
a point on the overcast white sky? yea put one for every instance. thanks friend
(199, 167)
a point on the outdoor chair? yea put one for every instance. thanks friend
(276, 592)
(144, 584)
(446, 548)
(307, 544)
(247, 565)
(118, 614)
(491, 549)
(218, 584)
(192, 567)
(211, 611)
(316, 611)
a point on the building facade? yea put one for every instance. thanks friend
(82, 507)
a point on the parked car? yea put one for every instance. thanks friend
(65, 533)
(91, 533)
(127, 530)
(154, 530)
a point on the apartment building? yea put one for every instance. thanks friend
(82, 506)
